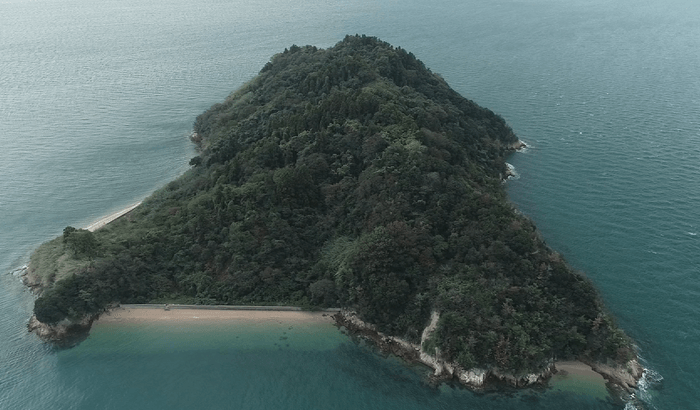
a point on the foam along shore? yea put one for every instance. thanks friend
(200, 313)
(109, 218)
(572, 375)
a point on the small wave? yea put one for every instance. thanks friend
(692, 233)
(630, 406)
(524, 147)
(651, 379)
(19, 271)
(511, 173)
(642, 399)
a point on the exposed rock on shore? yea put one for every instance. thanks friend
(32, 281)
(63, 334)
(443, 370)
(517, 146)
(624, 376)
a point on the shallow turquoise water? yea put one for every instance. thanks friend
(97, 99)
(278, 365)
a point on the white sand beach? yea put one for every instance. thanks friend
(109, 218)
(577, 369)
(141, 313)
(578, 377)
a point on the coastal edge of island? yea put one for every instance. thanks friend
(623, 378)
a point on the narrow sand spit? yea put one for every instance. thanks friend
(107, 219)
(158, 313)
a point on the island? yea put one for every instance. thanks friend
(351, 177)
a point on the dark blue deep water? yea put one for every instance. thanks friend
(97, 99)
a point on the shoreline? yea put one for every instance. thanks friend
(215, 313)
(517, 146)
(111, 217)
(622, 376)
(574, 375)
(26, 272)
(576, 369)
(67, 334)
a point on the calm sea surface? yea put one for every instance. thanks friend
(97, 99)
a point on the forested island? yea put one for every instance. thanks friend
(348, 177)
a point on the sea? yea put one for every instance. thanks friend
(97, 99)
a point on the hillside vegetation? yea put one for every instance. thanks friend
(346, 177)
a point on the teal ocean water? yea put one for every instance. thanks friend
(97, 100)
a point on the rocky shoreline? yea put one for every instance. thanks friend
(517, 146)
(31, 281)
(64, 334)
(443, 370)
(625, 377)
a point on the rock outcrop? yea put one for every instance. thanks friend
(625, 376)
(443, 370)
(63, 334)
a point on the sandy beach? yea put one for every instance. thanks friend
(578, 377)
(572, 376)
(109, 218)
(180, 314)
(577, 369)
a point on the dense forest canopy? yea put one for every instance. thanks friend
(351, 176)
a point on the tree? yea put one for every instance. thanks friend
(80, 242)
